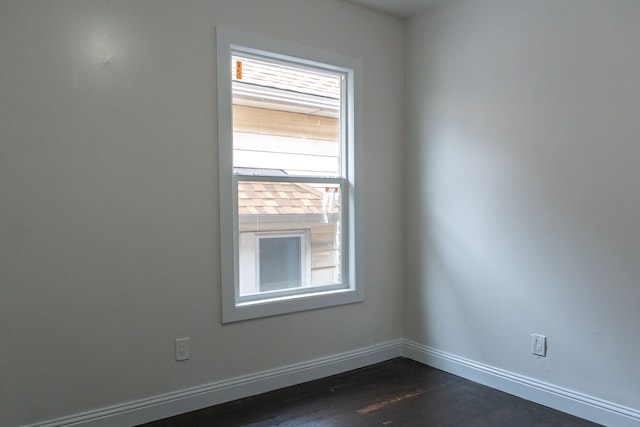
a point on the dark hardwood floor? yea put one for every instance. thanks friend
(399, 392)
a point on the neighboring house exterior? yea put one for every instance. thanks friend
(288, 231)
(294, 211)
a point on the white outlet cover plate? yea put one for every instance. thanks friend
(539, 345)
(182, 349)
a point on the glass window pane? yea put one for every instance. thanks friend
(280, 260)
(286, 118)
(306, 212)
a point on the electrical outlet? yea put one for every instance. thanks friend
(539, 345)
(182, 349)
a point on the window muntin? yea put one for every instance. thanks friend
(287, 164)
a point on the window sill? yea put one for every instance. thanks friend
(290, 304)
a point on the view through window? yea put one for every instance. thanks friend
(287, 160)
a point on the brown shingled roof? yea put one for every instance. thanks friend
(278, 198)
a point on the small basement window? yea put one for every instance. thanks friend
(274, 261)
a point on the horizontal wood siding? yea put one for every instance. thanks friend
(283, 123)
(296, 143)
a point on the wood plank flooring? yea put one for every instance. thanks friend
(399, 392)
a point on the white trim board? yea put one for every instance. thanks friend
(569, 401)
(175, 403)
(170, 404)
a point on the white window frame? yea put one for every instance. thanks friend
(351, 290)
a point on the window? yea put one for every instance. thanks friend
(280, 263)
(288, 164)
(273, 261)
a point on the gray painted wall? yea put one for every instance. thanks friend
(522, 194)
(109, 243)
(523, 188)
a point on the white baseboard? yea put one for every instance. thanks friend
(569, 401)
(170, 404)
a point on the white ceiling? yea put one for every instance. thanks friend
(399, 8)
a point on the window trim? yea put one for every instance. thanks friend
(233, 307)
